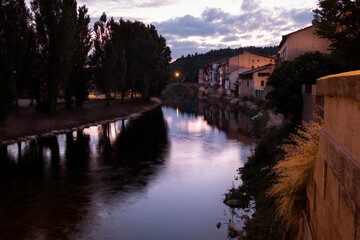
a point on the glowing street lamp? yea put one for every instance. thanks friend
(177, 75)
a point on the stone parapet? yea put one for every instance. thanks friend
(333, 194)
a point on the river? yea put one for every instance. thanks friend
(160, 176)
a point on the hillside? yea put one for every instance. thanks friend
(188, 66)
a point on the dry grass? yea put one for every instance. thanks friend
(294, 171)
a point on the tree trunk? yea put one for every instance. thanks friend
(68, 100)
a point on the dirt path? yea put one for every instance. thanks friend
(29, 122)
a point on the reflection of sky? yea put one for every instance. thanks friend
(183, 200)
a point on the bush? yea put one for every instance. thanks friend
(294, 170)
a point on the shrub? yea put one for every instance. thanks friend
(294, 170)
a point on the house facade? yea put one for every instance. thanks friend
(299, 42)
(221, 77)
(253, 82)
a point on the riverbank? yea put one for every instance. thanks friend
(31, 123)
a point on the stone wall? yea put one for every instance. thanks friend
(333, 194)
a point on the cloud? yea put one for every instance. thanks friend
(256, 26)
(230, 39)
(110, 4)
(249, 5)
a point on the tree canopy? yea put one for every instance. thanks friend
(339, 21)
(129, 56)
(14, 29)
(45, 54)
(286, 97)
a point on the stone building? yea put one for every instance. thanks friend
(253, 82)
(301, 41)
(217, 77)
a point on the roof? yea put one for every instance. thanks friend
(257, 69)
(285, 37)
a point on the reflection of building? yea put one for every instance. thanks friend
(253, 82)
(220, 77)
(299, 42)
(235, 124)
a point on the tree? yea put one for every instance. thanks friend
(104, 58)
(80, 75)
(14, 17)
(338, 21)
(286, 97)
(129, 56)
(55, 29)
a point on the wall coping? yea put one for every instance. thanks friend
(345, 85)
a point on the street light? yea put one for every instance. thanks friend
(177, 74)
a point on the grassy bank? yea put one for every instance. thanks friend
(29, 122)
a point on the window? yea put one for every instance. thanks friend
(263, 74)
(247, 83)
(262, 83)
(258, 60)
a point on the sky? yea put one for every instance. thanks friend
(201, 25)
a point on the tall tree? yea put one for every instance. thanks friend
(129, 56)
(104, 56)
(338, 21)
(55, 28)
(14, 17)
(80, 75)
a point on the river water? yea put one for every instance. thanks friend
(160, 176)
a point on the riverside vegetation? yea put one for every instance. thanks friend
(45, 54)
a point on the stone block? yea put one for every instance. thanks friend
(345, 85)
(346, 216)
(332, 192)
(319, 174)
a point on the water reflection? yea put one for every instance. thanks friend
(159, 176)
(47, 186)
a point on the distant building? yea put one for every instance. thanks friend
(253, 82)
(218, 77)
(301, 41)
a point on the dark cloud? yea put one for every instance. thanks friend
(184, 48)
(249, 5)
(191, 26)
(125, 4)
(215, 22)
(230, 39)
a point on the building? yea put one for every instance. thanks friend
(248, 60)
(220, 77)
(253, 82)
(299, 42)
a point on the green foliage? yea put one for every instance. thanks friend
(13, 39)
(286, 97)
(339, 22)
(55, 32)
(189, 66)
(257, 178)
(129, 56)
(80, 75)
